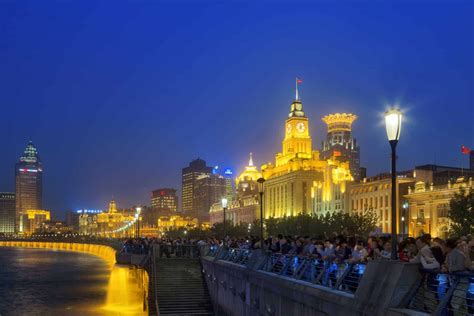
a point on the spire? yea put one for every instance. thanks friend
(296, 108)
(250, 160)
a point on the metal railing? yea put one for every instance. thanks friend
(236, 255)
(213, 249)
(155, 279)
(441, 293)
(337, 276)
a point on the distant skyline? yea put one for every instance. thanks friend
(118, 99)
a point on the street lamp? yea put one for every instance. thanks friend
(393, 124)
(224, 208)
(260, 182)
(138, 209)
(405, 207)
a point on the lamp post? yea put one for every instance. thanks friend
(138, 209)
(405, 207)
(260, 182)
(393, 124)
(224, 208)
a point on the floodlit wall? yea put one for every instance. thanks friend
(105, 252)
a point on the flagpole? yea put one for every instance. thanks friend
(296, 87)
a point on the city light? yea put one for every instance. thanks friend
(393, 124)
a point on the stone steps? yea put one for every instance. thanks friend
(181, 288)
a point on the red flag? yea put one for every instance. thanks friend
(298, 80)
(465, 150)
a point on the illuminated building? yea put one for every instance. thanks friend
(113, 219)
(54, 227)
(190, 174)
(244, 207)
(28, 183)
(208, 189)
(428, 206)
(166, 223)
(374, 194)
(32, 220)
(88, 221)
(163, 202)
(339, 143)
(229, 187)
(439, 175)
(7, 213)
(164, 199)
(300, 182)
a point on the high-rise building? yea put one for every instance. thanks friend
(208, 189)
(164, 199)
(28, 183)
(339, 143)
(7, 213)
(164, 202)
(300, 182)
(190, 173)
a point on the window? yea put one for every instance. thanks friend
(421, 213)
(442, 210)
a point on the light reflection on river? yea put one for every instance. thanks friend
(46, 282)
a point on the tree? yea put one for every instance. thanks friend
(461, 213)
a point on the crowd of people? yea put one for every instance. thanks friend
(451, 255)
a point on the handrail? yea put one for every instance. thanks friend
(236, 255)
(337, 276)
(153, 269)
(442, 293)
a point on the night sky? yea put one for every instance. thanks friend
(118, 96)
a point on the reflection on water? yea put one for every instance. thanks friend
(45, 282)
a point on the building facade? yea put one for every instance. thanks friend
(300, 182)
(190, 174)
(164, 202)
(112, 220)
(7, 213)
(428, 206)
(33, 219)
(28, 184)
(208, 189)
(340, 144)
(440, 175)
(374, 194)
(164, 199)
(167, 223)
(243, 208)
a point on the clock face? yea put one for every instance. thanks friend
(300, 127)
(288, 128)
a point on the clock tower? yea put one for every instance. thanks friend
(297, 141)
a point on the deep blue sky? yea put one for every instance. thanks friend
(118, 96)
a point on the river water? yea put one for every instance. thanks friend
(47, 282)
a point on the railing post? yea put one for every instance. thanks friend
(449, 294)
